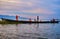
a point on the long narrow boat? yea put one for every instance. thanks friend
(9, 20)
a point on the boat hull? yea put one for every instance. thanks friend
(30, 21)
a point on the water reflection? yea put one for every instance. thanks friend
(29, 31)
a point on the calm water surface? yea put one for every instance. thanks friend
(29, 31)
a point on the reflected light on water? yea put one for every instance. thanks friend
(29, 31)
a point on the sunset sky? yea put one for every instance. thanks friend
(31, 8)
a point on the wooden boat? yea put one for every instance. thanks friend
(9, 20)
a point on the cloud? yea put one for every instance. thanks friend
(11, 1)
(17, 2)
(23, 5)
(29, 7)
(39, 11)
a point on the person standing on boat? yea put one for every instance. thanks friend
(53, 20)
(37, 18)
(30, 20)
(16, 17)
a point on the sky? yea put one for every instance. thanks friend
(45, 9)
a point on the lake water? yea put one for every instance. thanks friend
(30, 31)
